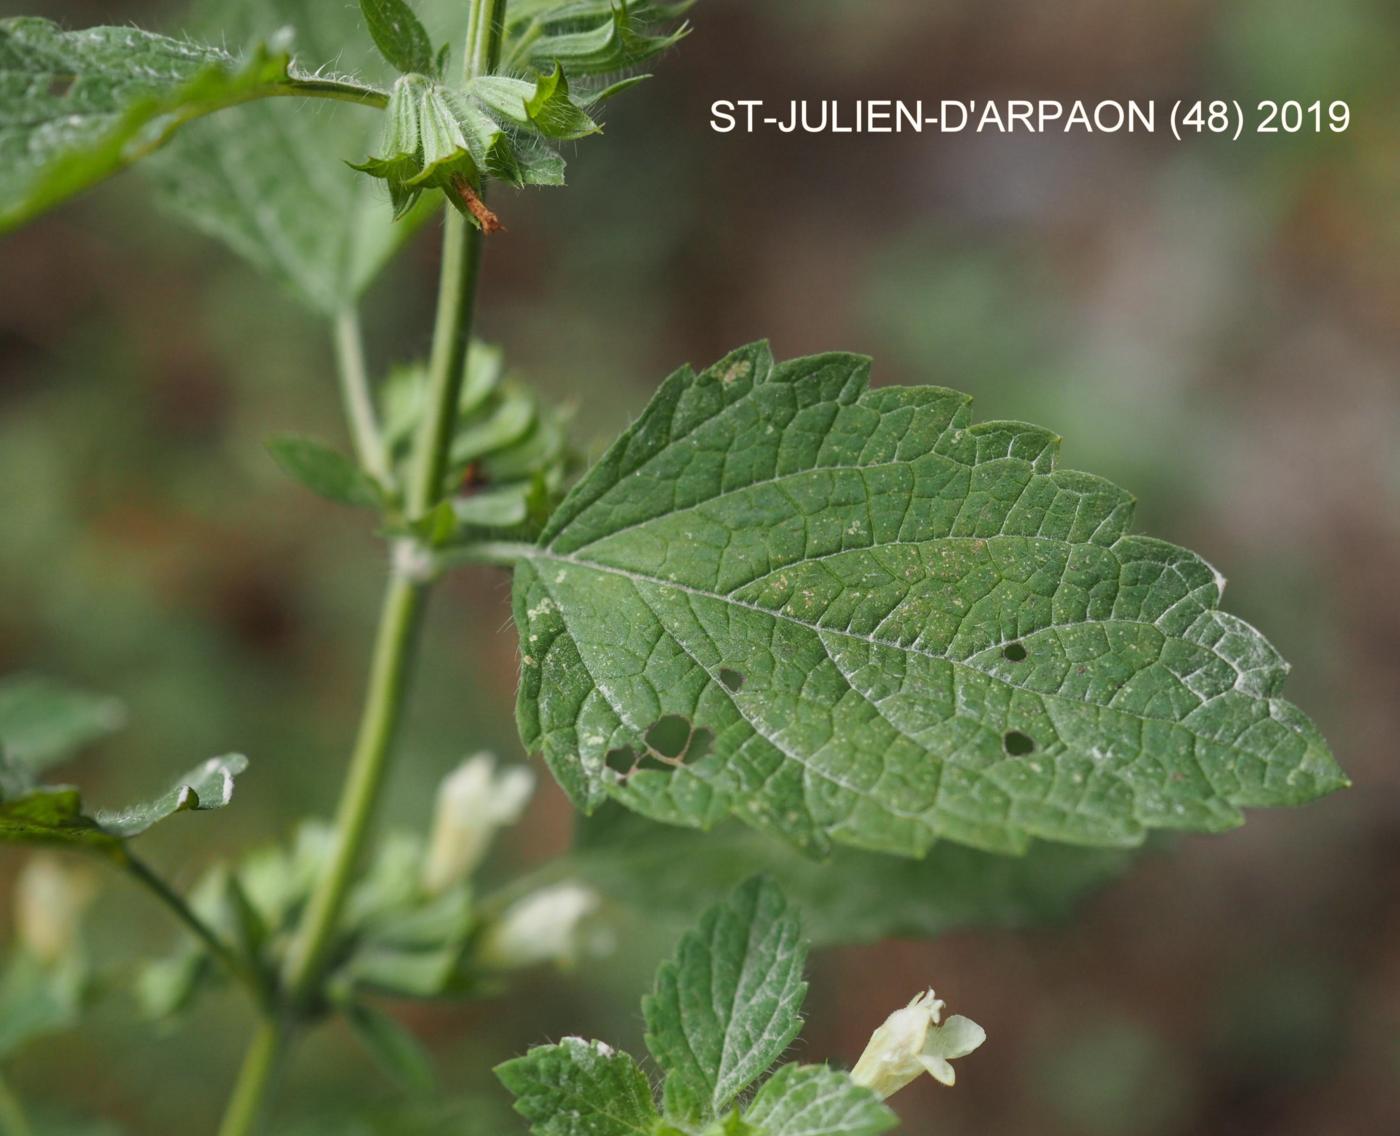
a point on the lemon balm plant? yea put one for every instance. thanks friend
(843, 661)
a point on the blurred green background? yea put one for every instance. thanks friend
(1214, 325)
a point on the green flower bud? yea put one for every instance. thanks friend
(454, 138)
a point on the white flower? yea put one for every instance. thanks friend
(544, 927)
(912, 1042)
(49, 904)
(474, 801)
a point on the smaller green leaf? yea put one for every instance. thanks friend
(54, 814)
(202, 789)
(406, 944)
(250, 932)
(399, 35)
(495, 509)
(511, 418)
(589, 37)
(43, 722)
(325, 471)
(545, 105)
(812, 1100)
(166, 987)
(397, 1051)
(726, 1005)
(580, 1088)
(403, 973)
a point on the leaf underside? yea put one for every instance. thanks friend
(78, 106)
(851, 615)
(269, 179)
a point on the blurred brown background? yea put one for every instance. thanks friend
(1212, 324)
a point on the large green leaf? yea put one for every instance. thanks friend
(55, 814)
(726, 1005)
(77, 106)
(852, 896)
(580, 1088)
(325, 471)
(851, 615)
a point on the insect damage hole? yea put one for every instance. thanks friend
(621, 761)
(669, 736)
(673, 741)
(731, 678)
(1015, 652)
(1017, 744)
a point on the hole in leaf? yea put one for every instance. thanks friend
(622, 761)
(1018, 744)
(1014, 651)
(669, 736)
(732, 679)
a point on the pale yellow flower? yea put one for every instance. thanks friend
(912, 1042)
(474, 801)
(49, 902)
(546, 926)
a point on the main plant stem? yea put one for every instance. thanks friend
(400, 616)
(388, 682)
(245, 1106)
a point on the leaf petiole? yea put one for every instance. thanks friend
(365, 431)
(237, 966)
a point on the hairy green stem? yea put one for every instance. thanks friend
(461, 262)
(388, 681)
(368, 439)
(485, 26)
(248, 1103)
(461, 256)
(394, 648)
(13, 1121)
(236, 965)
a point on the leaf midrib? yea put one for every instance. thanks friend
(963, 664)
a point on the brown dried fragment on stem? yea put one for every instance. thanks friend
(488, 221)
